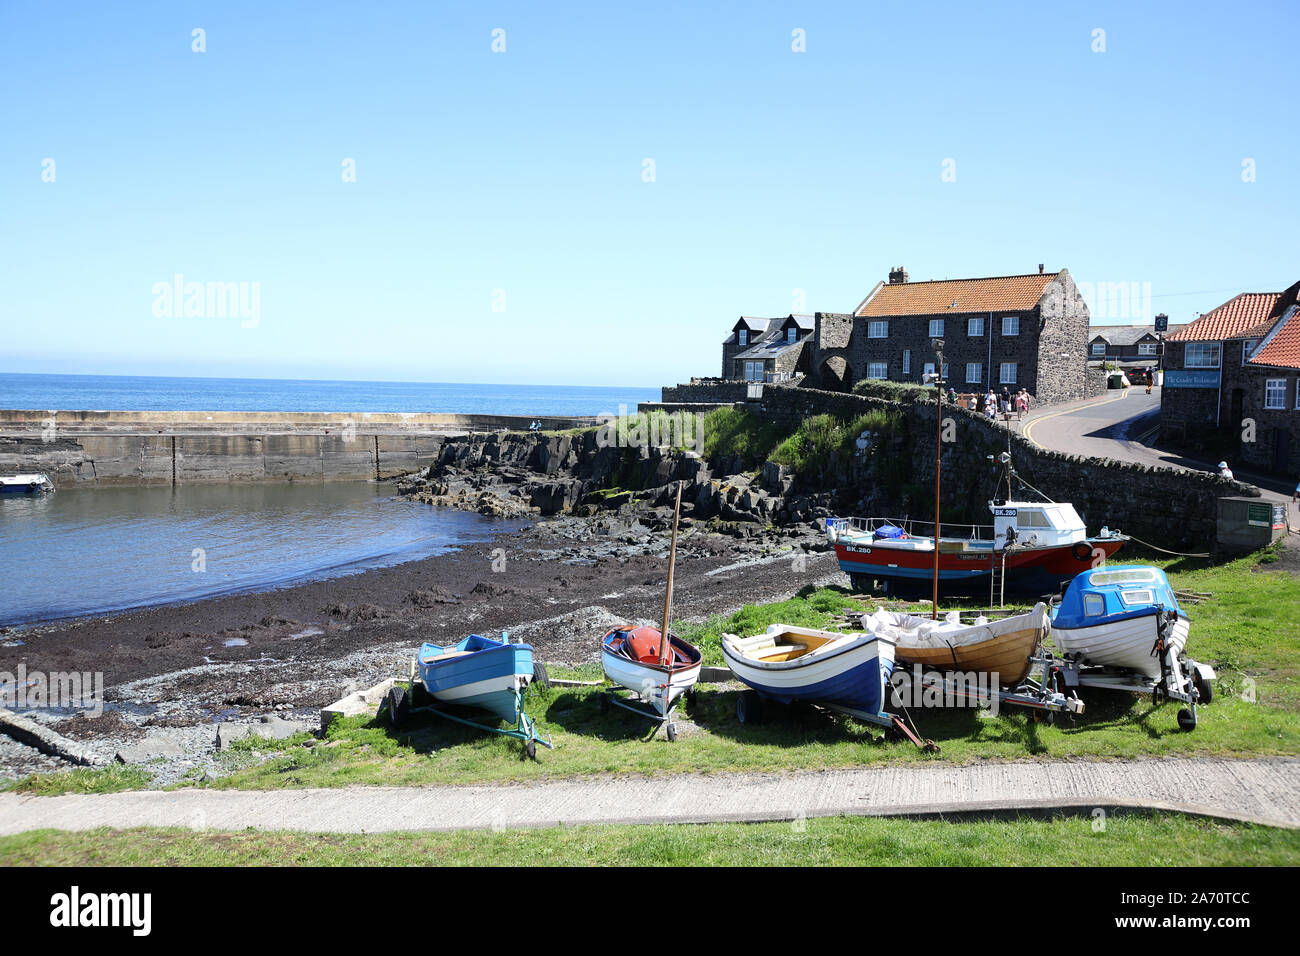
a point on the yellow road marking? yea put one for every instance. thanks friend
(1065, 411)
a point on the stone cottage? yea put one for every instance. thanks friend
(767, 350)
(1018, 331)
(1232, 382)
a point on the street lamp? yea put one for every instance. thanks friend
(937, 344)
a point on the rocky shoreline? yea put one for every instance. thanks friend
(174, 675)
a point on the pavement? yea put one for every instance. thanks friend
(1265, 791)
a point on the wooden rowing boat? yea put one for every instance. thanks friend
(1001, 648)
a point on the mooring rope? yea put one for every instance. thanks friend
(1178, 554)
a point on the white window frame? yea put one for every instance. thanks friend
(1275, 390)
(752, 365)
(1247, 346)
(742, 336)
(907, 361)
(791, 335)
(970, 326)
(1015, 326)
(1098, 348)
(974, 373)
(1015, 373)
(1204, 352)
(936, 328)
(878, 329)
(878, 370)
(1146, 348)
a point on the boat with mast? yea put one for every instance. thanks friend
(650, 674)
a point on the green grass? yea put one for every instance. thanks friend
(1129, 839)
(1249, 631)
(108, 779)
(821, 440)
(734, 431)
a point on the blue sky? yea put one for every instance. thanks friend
(522, 171)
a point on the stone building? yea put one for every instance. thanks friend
(767, 350)
(1232, 382)
(1126, 345)
(1020, 331)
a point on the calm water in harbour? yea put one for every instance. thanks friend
(91, 551)
(154, 393)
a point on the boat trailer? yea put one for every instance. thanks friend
(1042, 694)
(1181, 679)
(401, 704)
(640, 704)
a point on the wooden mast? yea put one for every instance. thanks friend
(665, 644)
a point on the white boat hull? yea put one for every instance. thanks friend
(848, 671)
(652, 684)
(1125, 643)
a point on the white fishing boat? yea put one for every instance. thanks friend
(33, 484)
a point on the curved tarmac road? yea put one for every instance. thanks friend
(1263, 791)
(1115, 424)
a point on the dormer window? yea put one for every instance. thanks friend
(743, 336)
(791, 334)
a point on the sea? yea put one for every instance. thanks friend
(157, 393)
(88, 550)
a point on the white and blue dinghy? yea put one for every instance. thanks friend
(1120, 627)
(848, 673)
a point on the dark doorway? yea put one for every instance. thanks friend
(1281, 449)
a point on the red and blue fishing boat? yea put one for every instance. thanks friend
(1033, 546)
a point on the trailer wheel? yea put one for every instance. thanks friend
(1204, 688)
(749, 707)
(540, 678)
(399, 706)
(672, 731)
(1186, 722)
(530, 750)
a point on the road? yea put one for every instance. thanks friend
(1115, 425)
(1263, 791)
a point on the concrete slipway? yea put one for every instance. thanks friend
(1260, 791)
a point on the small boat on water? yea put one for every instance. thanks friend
(33, 484)
(847, 672)
(478, 672)
(1121, 616)
(655, 673)
(1002, 648)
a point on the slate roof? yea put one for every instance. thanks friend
(1121, 334)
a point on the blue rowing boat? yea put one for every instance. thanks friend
(478, 672)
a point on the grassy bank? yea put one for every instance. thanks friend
(1248, 631)
(1137, 839)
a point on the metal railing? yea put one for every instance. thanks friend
(912, 527)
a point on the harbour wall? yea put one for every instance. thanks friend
(1172, 508)
(175, 447)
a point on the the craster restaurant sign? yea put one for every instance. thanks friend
(1192, 378)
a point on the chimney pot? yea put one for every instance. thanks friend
(897, 275)
(1040, 268)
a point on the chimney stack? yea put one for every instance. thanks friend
(1040, 268)
(897, 275)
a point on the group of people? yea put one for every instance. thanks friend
(1006, 403)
